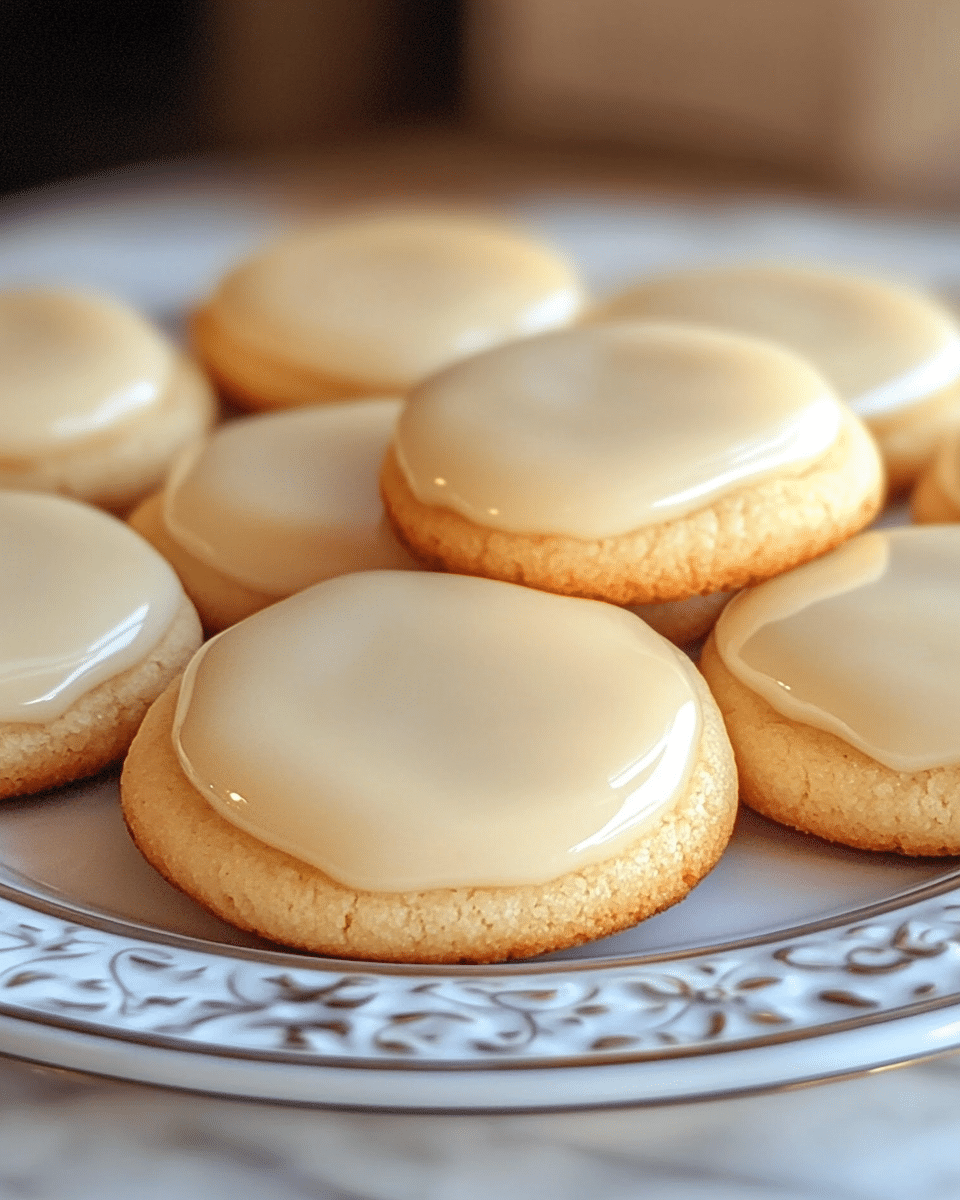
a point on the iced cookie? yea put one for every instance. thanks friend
(636, 463)
(447, 769)
(840, 685)
(270, 505)
(936, 498)
(95, 403)
(892, 353)
(93, 626)
(683, 621)
(369, 306)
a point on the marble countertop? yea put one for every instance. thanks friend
(889, 1135)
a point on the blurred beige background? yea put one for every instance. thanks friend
(863, 94)
(850, 97)
(860, 96)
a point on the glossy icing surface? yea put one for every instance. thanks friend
(74, 367)
(282, 501)
(83, 598)
(429, 730)
(882, 347)
(387, 300)
(598, 431)
(863, 643)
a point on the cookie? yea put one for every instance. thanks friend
(635, 463)
(892, 353)
(936, 498)
(840, 685)
(95, 403)
(93, 626)
(272, 504)
(683, 621)
(448, 770)
(369, 306)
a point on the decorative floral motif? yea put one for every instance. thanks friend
(775, 989)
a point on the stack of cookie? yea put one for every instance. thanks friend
(451, 768)
(472, 750)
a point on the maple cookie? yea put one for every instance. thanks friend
(936, 498)
(447, 770)
(369, 306)
(636, 463)
(272, 504)
(93, 626)
(891, 352)
(683, 621)
(840, 686)
(95, 403)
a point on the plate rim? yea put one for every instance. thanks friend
(53, 952)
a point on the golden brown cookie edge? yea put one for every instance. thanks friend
(259, 382)
(268, 892)
(744, 537)
(815, 782)
(98, 727)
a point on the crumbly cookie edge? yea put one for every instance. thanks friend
(813, 781)
(239, 878)
(743, 538)
(98, 728)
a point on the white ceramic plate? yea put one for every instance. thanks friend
(793, 961)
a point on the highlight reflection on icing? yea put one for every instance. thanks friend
(863, 643)
(70, 620)
(596, 432)
(658, 773)
(918, 383)
(429, 730)
(282, 501)
(74, 366)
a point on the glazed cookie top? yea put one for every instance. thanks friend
(430, 730)
(598, 431)
(282, 501)
(863, 643)
(83, 599)
(75, 367)
(386, 300)
(882, 347)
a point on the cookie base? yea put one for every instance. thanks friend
(684, 621)
(265, 891)
(814, 781)
(742, 538)
(908, 439)
(259, 382)
(929, 503)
